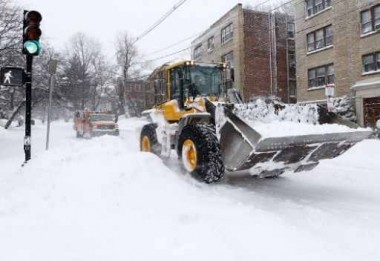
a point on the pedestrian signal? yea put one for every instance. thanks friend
(11, 76)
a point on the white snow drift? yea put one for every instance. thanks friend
(102, 199)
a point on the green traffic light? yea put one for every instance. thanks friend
(32, 47)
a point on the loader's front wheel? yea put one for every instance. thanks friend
(200, 151)
(148, 139)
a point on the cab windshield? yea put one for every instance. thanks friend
(205, 79)
(101, 117)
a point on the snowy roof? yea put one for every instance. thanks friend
(367, 84)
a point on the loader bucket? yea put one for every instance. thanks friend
(244, 148)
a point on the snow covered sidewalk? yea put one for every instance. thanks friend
(102, 199)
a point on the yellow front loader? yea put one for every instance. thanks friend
(194, 116)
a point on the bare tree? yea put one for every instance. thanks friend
(10, 29)
(129, 62)
(103, 76)
(79, 69)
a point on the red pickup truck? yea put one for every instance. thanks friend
(89, 123)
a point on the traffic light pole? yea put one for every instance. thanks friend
(28, 108)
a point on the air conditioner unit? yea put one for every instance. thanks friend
(377, 27)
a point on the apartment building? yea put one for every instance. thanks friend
(138, 96)
(259, 49)
(338, 43)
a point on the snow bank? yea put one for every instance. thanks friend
(268, 111)
(286, 128)
(102, 199)
(279, 120)
(2, 130)
(131, 124)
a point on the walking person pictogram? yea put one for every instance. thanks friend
(7, 77)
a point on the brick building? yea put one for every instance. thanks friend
(138, 96)
(338, 42)
(258, 46)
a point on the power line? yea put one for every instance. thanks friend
(163, 18)
(170, 54)
(172, 45)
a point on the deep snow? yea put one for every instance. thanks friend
(102, 199)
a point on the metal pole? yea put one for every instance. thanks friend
(28, 108)
(51, 88)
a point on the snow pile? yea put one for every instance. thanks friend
(131, 124)
(274, 119)
(286, 128)
(102, 199)
(2, 123)
(344, 107)
(267, 111)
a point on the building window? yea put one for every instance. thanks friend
(320, 76)
(371, 62)
(197, 51)
(291, 30)
(320, 38)
(370, 19)
(292, 88)
(227, 33)
(228, 59)
(292, 64)
(210, 43)
(315, 6)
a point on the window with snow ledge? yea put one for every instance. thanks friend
(210, 44)
(227, 33)
(371, 63)
(320, 76)
(197, 51)
(320, 39)
(370, 20)
(291, 30)
(314, 7)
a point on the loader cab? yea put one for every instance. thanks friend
(178, 86)
(191, 80)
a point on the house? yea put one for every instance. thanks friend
(138, 96)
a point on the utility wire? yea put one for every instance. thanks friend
(163, 18)
(174, 44)
(170, 54)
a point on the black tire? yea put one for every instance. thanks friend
(149, 131)
(209, 163)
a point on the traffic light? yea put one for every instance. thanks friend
(31, 33)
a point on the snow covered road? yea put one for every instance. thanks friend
(102, 199)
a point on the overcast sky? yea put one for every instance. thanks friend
(105, 19)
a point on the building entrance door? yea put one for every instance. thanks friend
(371, 111)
